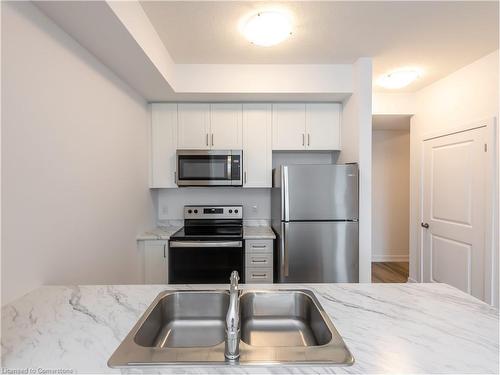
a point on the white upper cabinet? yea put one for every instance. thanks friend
(193, 126)
(289, 123)
(257, 154)
(311, 126)
(163, 145)
(225, 126)
(323, 126)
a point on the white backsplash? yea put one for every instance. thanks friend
(170, 202)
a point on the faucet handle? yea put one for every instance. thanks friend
(234, 279)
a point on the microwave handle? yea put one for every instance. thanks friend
(229, 166)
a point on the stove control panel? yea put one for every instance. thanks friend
(213, 212)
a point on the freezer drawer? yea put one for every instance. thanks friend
(318, 252)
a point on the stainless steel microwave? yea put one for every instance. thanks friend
(209, 167)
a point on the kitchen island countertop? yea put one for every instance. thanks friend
(389, 328)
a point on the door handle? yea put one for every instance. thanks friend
(424, 225)
(284, 258)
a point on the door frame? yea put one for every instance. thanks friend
(491, 254)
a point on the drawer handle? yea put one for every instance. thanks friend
(259, 246)
(259, 275)
(259, 260)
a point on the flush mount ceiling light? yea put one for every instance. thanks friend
(398, 78)
(267, 28)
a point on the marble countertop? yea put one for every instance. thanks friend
(159, 233)
(261, 232)
(389, 328)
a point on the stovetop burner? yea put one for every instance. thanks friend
(211, 223)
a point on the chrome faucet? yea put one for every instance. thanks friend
(232, 347)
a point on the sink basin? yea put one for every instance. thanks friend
(185, 320)
(289, 318)
(277, 327)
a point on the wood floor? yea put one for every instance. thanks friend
(390, 272)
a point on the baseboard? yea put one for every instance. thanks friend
(389, 258)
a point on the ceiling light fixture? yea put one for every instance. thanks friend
(267, 28)
(398, 78)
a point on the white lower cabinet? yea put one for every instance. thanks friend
(258, 261)
(155, 253)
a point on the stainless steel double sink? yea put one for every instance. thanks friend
(277, 327)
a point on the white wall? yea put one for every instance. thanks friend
(74, 161)
(390, 195)
(465, 96)
(356, 134)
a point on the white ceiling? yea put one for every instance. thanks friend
(438, 37)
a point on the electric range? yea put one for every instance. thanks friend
(209, 246)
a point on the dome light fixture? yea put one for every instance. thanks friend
(399, 78)
(267, 28)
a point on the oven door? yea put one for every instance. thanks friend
(208, 168)
(205, 262)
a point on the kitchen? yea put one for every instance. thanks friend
(100, 133)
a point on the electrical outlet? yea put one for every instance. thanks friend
(255, 209)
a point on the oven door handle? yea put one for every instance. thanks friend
(205, 244)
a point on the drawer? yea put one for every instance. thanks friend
(261, 246)
(259, 275)
(259, 259)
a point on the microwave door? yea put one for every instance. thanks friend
(202, 169)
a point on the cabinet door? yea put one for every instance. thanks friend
(163, 145)
(257, 154)
(323, 126)
(193, 126)
(155, 262)
(225, 126)
(289, 126)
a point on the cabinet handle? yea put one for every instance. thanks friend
(259, 246)
(245, 177)
(175, 176)
(164, 250)
(259, 261)
(308, 139)
(424, 225)
(303, 139)
(207, 139)
(212, 139)
(258, 275)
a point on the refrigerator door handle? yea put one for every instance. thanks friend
(286, 200)
(284, 251)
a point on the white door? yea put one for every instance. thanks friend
(155, 262)
(323, 126)
(225, 126)
(257, 154)
(193, 126)
(163, 144)
(289, 126)
(454, 211)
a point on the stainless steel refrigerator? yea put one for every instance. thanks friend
(315, 214)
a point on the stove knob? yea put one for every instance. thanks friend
(190, 211)
(235, 211)
(195, 211)
(230, 211)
